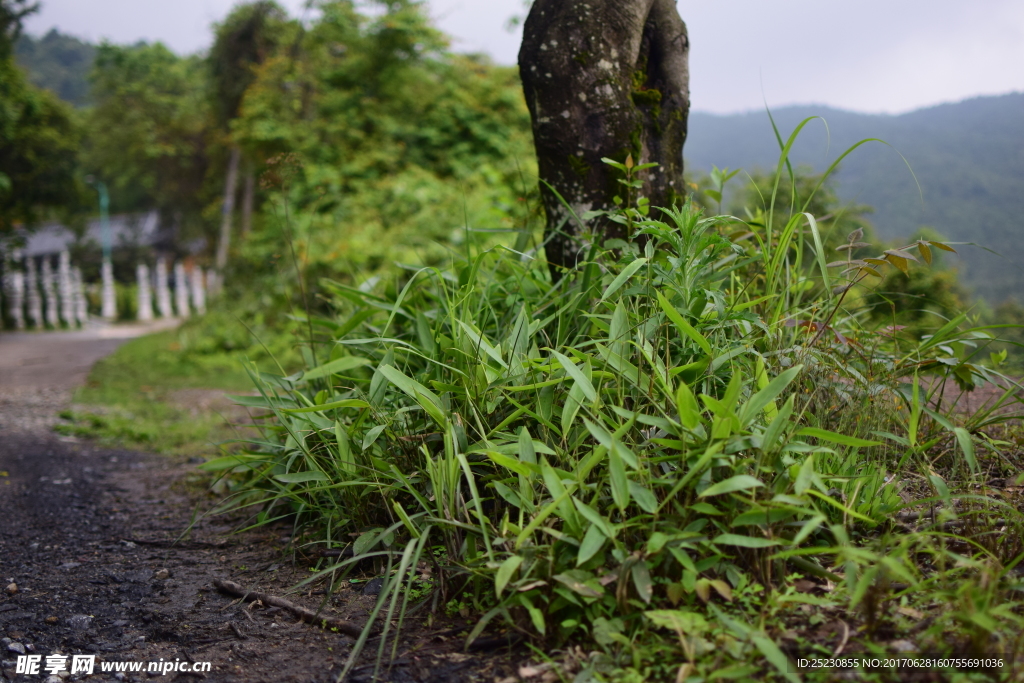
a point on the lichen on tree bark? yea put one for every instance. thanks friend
(603, 78)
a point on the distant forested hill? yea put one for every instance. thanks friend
(968, 158)
(59, 63)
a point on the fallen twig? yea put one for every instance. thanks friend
(309, 616)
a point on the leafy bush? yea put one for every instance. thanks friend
(657, 434)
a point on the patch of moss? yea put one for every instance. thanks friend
(646, 98)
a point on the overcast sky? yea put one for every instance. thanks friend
(867, 55)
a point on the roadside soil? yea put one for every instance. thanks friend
(93, 562)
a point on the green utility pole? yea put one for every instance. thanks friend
(109, 308)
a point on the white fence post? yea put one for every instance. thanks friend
(78, 296)
(181, 290)
(15, 281)
(198, 290)
(108, 309)
(163, 292)
(145, 307)
(50, 293)
(67, 304)
(35, 302)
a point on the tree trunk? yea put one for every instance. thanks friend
(603, 78)
(228, 209)
(248, 197)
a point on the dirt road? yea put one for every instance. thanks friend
(90, 566)
(39, 371)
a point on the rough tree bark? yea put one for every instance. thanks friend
(603, 78)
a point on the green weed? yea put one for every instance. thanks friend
(640, 456)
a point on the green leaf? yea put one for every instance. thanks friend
(761, 399)
(804, 476)
(593, 540)
(553, 481)
(371, 436)
(620, 484)
(334, 367)
(618, 330)
(229, 461)
(643, 497)
(527, 451)
(612, 443)
(251, 401)
(407, 384)
(406, 520)
(621, 278)
(940, 486)
(378, 383)
(691, 372)
(596, 520)
(505, 572)
(345, 459)
(642, 581)
(302, 477)
(963, 438)
(744, 541)
(680, 621)
(571, 407)
(427, 399)
(686, 404)
(656, 542)
(810, 526)
(740, 482)
(581, 380)
(479, 341)
(345, 403)
(819, 251)
(684, 326)
(683, 559)
(705, 509)
(580, 582)
(774, 655)
(517, 466)
(630, 372)
(366, 541)
(840, 439)
(536, 616)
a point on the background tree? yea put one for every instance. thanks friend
(603, 78)
(245, 39)
(148, 133)
(38, 137)
(59, 63)
(12, 12)
(400, 145)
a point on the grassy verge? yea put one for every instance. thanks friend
(153, 395)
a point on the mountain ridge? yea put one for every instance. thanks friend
(967, 156)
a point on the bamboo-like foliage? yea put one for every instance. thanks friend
(665, 426)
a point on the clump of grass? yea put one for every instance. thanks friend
(648, 455)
